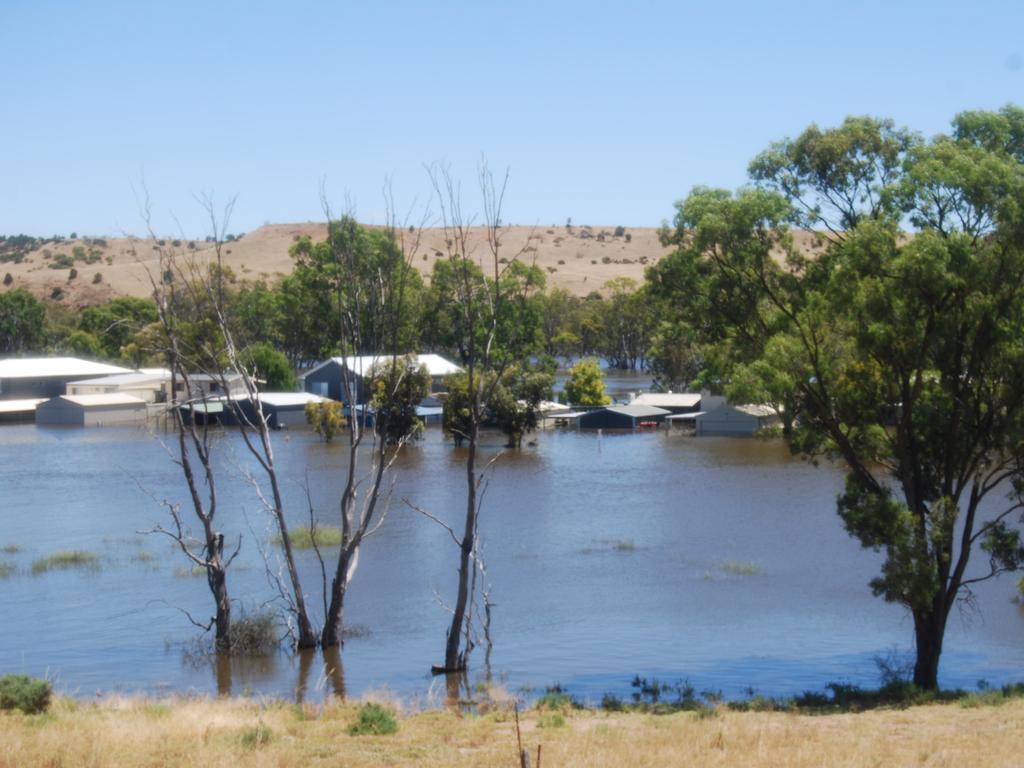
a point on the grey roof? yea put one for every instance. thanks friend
(668, 399)
(638, 411)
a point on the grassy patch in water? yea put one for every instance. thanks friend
(66, 559)
(6, 570)
(10, 549)
(613, 545)
(184, 573)
(738, 568)
(303, 538)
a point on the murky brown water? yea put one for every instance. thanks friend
(717, 560)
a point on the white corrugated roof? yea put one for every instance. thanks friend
(436, 365)
(280, 399)
(46, 367)
(18, 406)
(756, 410)
(123, 379)
(637, 411)
(667, 399)
(88, 401)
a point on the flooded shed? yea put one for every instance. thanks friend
(623, 417)
(92, 410)
(739, 420)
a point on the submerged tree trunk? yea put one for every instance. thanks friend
(453, 659)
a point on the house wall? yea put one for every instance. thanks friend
(326, 382)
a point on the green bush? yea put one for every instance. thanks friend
(254, 738)
(375, 720)
(26, 693)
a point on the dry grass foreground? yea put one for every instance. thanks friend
(240, 732)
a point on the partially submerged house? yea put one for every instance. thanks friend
(280, 409)
(327, 379)
(151, 385)
(24, 378)
(738, 420)
(92, 410)
(623, 417)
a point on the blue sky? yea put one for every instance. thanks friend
(603, 112)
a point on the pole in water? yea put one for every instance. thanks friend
(600, 433)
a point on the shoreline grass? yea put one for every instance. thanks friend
(199, 731)
(66, 559)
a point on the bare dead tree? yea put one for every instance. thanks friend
(478, 306)
(252, 421)
(369, 281)
(195, 444)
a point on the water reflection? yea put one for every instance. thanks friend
(242, 674)
(332, 673)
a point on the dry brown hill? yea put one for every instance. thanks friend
(580, 260)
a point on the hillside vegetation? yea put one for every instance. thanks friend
(580, 259)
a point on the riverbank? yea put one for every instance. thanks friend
(239, 731)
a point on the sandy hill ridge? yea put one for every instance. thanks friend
(580, 260)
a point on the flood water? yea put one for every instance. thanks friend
(717, 560)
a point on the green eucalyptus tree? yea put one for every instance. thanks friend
(902, 355)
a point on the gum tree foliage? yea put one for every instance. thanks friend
(399, 385)
(22, 322)
(513, 402)
(585, 385)
(902, 355)
(116, 323)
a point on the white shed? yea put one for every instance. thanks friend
(739, 420)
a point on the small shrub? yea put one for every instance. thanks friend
(620, 231)
(97, 278)
(551, 720)
(593, 261)
(606, 259)
(72, 274)
(325, 418)
(612, 703)
(373, 720)
(66, 559)
(176, 243)
(629, 237)
(28, 694)
(8, 279)
(561, 262)
(254, 738)
(556, 698)
(255, 634)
